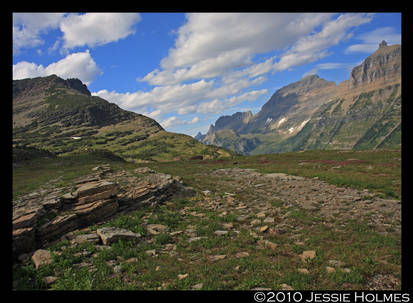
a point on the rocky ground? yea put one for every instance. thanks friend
(299, 227)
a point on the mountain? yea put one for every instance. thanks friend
(62, 117)
(362, 112)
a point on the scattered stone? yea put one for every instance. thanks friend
(170, 246)
(268, 244)
(216, 257)
(131, 260)
(336, 263)
(260, 215)
(269, 220)
(303, 270)
(195, 239)
(263, 229)
(308, 254)
(155, 229)
(255, 222)
(330, 270)
(41, 257)
(197, 286)
(228, 225)
(151, 252)
(183, 276)
(110, 235)
(242, 254)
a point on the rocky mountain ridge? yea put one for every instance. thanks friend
(371, 96)
(62, 117)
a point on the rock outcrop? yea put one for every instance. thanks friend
(383, 65)
(46, 215)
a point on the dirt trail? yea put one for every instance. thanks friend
(318, 197)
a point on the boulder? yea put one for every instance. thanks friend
(110, 235)
(41, 257)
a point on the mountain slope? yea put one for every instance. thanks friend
(61, 116)
(360, 113)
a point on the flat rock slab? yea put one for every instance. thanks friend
(92, 188)
(111, 235)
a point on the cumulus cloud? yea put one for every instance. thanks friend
(164, 98)
(28, 27)
(90, 29)
(211, 45)
(175, 121)
(77, 65)
(313, 47)
(94, 29)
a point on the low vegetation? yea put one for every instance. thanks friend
(348, 253)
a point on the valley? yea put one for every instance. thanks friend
(304, 195)
(290, 221)
(363, 112)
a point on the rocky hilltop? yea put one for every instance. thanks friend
(62, 117)
(313, 113)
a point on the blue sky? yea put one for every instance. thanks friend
(186, 70)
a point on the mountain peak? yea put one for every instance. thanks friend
(383, 44)
(34, 85)
(383, 65)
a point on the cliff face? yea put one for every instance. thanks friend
(383, 65)
(313, 113)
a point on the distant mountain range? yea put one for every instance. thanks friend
(363, 112)
(62, 117)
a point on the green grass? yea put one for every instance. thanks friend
(378, 171)
(364, 251)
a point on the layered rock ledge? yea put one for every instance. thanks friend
(46, 215)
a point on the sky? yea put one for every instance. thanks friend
(185, 70)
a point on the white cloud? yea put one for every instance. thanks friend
(371, 40)
(313, 47)
(94, 29)
(215, 60)
(77, 65)
(214, 44)
(28, 27)
(174, 121)
(206, 36)
(330, 65)
(90, 29)
(216, 106)
(164, 98)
